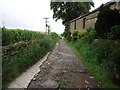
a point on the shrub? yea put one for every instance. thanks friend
(101, 53)
(90, 28)
(55, 36)
(89, 37)
(77, 34)
(69, 37)
(66, 32)
(115, 33)
(107, 18)
(81, 33)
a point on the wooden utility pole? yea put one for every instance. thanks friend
(46, 21)
(3, 24)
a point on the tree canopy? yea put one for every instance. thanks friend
(69, 10)
(106, 19)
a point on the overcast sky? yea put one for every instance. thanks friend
(29, 14)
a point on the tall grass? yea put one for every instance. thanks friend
(10, 36)
(13, 65)
(101, 57)
(23, 54)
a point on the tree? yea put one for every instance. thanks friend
(106, 19)
(68, 11)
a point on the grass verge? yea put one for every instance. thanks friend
(14, 64)
(97, 70)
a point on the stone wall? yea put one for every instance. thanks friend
(91, 19)
(72, 26)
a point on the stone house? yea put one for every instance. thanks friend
(89, 20)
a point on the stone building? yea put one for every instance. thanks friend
(89, 20)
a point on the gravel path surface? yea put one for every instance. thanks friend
(63, 69)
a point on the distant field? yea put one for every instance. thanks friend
(10, 36)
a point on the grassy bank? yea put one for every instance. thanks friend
(11, 36)
(101, 57)
(23, 55)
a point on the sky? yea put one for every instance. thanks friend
(29, 14)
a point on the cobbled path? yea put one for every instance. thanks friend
(63, 69)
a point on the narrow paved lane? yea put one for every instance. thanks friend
(62, 69)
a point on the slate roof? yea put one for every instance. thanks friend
(108, 3)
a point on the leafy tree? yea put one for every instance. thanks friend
(68, 11)
(115, 33)
(107, 18)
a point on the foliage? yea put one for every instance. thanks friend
(75, 35)
(13, 66)
(69, 36)
(90, 28)
(19, 56)
(66, 32)
(81, 33)
(10, 36)
(107, 18)
(100, 54)
(115, 33)
(89, 37)
(0, 36)
(55, 36)
(63, 10)
(68, 11)
(101, 74)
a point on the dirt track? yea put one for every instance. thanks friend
(62, 69)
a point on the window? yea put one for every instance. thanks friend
(75, 25)
(84, 24)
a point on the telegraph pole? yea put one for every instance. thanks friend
(46, 21)
(3, 24)
(3, 27)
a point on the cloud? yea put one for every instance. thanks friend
(28, 14)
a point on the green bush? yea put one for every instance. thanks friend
(89, 36)
(78, 34)
(90, 28)
(115, 33)
(75, 35)
(106, 19)
(69, 37)
(81, 33)
(55, 35)
(66, 32)
(101, 56)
